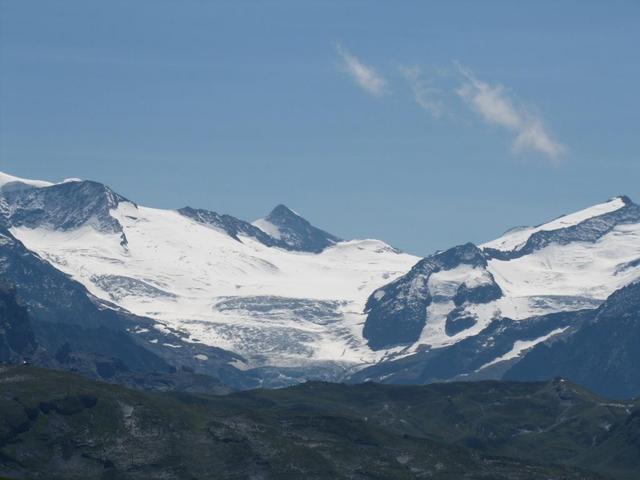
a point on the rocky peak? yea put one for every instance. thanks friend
(294, 231)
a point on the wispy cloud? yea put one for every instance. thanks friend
(364, 76)
(494, 104)
(425, 95)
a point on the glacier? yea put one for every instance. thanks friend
(280, 293)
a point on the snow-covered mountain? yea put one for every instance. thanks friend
(452, 299)
(602, 355)
(294, 231)
(9, 182)
(282, 295)
(290, 301)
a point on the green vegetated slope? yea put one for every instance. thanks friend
(57, 425)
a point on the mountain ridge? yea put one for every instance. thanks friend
(295, 231)
(213, 281)
(59, 425)
(283, 301)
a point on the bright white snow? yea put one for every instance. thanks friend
(522, 346)
(555, 278)
(9, 181)
(281, 307)
(182, 273)
(579, 269)
(514, 239)
(267, 227)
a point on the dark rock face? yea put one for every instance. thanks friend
(484, 293)
(232, 225)
(61, 312)
(64, 206)
(17, 340)
(397, 312)
(399, 322)
(47, 293)
(603, 355)
(102, 352)
(466, 358)
(297, 233)
(459, 320)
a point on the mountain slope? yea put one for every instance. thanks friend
(295, 232)
(472, 312)
(282, 301)
(17, 340)
(213, 280)
(572, 263)
(233, 226)
(486, 355)
(603, 355)
(76, 331)
(397, 313)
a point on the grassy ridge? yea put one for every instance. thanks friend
(57, 425)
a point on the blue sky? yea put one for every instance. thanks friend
(425, 124)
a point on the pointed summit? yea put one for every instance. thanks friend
(624, 198)
(282, 214)
(294, 232)
(282, 211)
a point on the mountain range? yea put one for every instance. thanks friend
(118, 291)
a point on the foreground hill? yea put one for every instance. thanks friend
(56, 425)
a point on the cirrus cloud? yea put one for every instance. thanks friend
(424, 94)
(437, 95)
(495, 106)
(363, 75)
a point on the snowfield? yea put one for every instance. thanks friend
(284, 307)
(273, 306)
(555, 278)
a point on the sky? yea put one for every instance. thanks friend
(425, 124)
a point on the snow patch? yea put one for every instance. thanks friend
(520, 347)
(268, 228)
